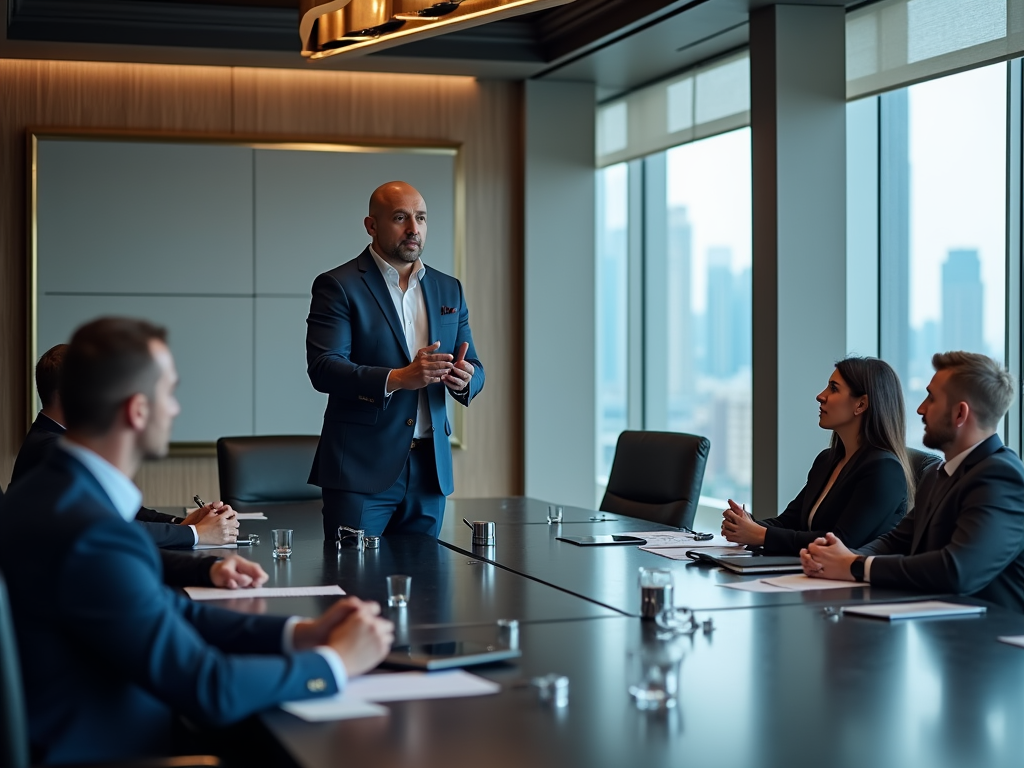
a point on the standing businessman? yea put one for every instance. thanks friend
(386, 337)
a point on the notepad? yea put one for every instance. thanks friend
(198, 547)
(1017, 640)
(213, 593)
(250, 516)
(362, 693)
(924, 609)
(666, 539)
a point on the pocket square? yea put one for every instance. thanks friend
(448, 310)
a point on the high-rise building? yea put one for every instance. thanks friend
(721, 357)
(962, 302)
(743, 323)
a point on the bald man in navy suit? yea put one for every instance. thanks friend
(388, 339)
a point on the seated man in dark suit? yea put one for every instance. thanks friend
(965, 535)
(214, 523)
(109, 654)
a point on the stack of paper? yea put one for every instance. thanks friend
(213, 593)
(358, 698)
(250, 516)
(796, 582)
(921, 609)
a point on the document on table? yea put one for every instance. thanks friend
(250, 516)
(213, 593)
(796, 582)
(1017, 640)
(361, 692)
(214, 546)
(666, 539)
(922, 609)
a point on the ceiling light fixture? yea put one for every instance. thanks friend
(355, 27)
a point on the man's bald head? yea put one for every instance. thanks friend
(397, 222)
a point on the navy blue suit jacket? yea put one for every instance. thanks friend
(965, 534)
(108, 653)
(353, 340)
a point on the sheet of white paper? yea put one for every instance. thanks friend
(1017, 640)
(798, 582)
(758, 585)
(212, 593)
(333, 708)
(215, 546)
(250, 516)
(406, 686)
(664, 539)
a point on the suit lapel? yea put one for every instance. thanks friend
(379, 290)
(432, 305)
(941, 489)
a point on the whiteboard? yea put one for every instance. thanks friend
(220, 243)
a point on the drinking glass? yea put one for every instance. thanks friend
(398, 590)
(282, 543)
(554, 513)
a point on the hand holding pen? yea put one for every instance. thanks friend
(217, 523)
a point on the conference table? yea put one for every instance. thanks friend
(777, 679)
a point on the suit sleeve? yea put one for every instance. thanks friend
(775, 538)
(147, 515)
(988, 535)
(184, 653)
(166, 535)
(466, 395)
(876, 491)
(329, 347)
(183, 570)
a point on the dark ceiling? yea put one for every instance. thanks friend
(617, 44)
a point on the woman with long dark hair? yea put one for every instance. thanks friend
(857, 487)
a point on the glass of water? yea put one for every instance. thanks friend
(554, 513)
(654, 675)
(282, 543)
(656, 591)
(398, 590)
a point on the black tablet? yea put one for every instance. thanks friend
(601, 541)
(448, 655)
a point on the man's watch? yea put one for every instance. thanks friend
(857, 568)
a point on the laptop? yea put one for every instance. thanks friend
(748, 563)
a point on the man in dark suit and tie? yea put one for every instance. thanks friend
(387, 337)
(965, 534)
(215, 523)
(108, 654)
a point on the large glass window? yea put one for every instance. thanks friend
(612, 311)
(943, 224)
(694, 209)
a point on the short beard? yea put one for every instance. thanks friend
(402, 254)
(938, 439)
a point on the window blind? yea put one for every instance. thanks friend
(894, 43)
(705, 101)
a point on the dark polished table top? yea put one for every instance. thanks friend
(784, 684)
(526, 544)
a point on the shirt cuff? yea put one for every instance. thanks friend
(195, 533)
(867, 569)
(386, 381)
(328, 654)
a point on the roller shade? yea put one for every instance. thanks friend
(894, 43)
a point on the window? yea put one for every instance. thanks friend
(612, 282)
(943, 224)
(692, 207)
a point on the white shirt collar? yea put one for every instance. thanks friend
(122, 491)
(953, 464)
(390, 273)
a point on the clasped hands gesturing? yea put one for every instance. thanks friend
(827, 558)
(739, 527)
(430, 367)
(216, 523)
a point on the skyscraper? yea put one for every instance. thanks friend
(962, 301)
(721, 357)
(680, 315)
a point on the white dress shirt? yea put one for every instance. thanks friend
(126, 498)
(412, 313)
(949, 467)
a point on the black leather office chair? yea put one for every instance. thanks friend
(657, 476)
(14, 752)
(921, 462)
(267, 471)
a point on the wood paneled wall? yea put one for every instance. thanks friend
(486, 117)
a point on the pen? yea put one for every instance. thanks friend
(198, 501)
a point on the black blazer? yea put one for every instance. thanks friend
(163, 529)
(867, 499)
(965, 534)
